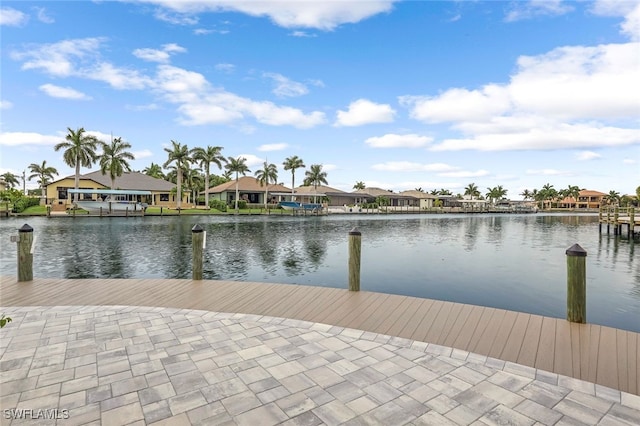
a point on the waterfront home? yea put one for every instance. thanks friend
(334, 197)
(163, 193)
(588, 199)
(249, 190)
(424, 200)
(394, 199)
(3, 185)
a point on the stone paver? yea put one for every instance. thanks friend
(141, 365)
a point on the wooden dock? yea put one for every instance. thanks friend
(598, 354)
(619, 218)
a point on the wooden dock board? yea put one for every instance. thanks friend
(590, 352)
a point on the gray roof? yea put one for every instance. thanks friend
(130, 180)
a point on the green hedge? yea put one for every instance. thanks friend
(23, 203)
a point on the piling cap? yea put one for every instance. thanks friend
(576, 250)
(25, 228)
(197, 229)
(355, 231)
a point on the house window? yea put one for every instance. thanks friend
(62, 193)
(164, 197)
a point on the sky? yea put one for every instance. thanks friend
(397, 94)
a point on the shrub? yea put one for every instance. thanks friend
(218, 205)
(22, 203)
(242, 204)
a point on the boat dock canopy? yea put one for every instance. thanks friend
(108, 191)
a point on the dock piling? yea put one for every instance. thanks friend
(355, 244)
(25, 253)
(197, 242)
(576, 284)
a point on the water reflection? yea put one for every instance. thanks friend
(513, 262)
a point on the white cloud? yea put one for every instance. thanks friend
(629, 161)
(329, 167)
(273, 147)
(145, 153)
(565, 98)
(198, 102)
(301, 34)
(529, 9)
(41, 13)
(148, 107)
(12, 17)
(285, 87)
(465, 174)
(251, 160)
(363, 111)
(629, 10)
(59, 59)
(161, 56)
(306, 14)
(391, 140)
(228, 68)
(587, 155)
(63, 92)
(408, 166)
(5, 104)
(28, 138)
(547, 172)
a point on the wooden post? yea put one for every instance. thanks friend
(100, 211)
(48, 210)
(631, 222)
(197, 242)
(600, 220)
(160, 211)
(608, 219)
(126, 211)
(25, 254)
(576, 284)
(615, 221)
(355, 243)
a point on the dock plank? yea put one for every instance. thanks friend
(602, 355)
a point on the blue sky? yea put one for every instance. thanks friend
(400, 95)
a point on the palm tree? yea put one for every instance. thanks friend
(526, 195)
(359, 185)
(293, 163)
(573, 192)
(114, 159)
(237, 166)
(205, 157)
(315, 176)
(548, 193)
(443, 191)
(613, 197)
(154, 170)
(193, 181)
(268, 174)
(10, 179)
(178, 154)
(44, 174)
(472, 190)
(496, 193)
(80, 150)
(419, 189)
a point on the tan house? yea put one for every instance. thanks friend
(249, 190)
(588, 199)
(162, 191)
(334, 197)
(3, 185)
(400, 200)
(425, 201)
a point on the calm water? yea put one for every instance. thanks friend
(513, 262)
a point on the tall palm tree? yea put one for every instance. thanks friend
(237, 166)
(205, 157)
(114, 159)
(266, 175)
(359, 185)
(44, 174)
(472, 190)
(154, 170)
(10, 179)
(526, 195)
(573, 192)
(193, 181)
(613, 197)
(315, 176)
(293, 163)
(548, 193)
(79, 151)
(419, 189)
(178, 154)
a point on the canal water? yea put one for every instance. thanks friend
(514, 262)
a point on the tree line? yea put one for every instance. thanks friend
(188, 168)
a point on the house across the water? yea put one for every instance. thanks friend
(163, 193)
